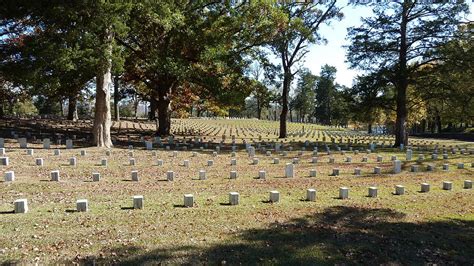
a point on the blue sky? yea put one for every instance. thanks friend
(333, 53)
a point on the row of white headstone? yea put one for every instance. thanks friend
(21, 205)
(170, 175)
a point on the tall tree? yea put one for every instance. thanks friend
(302, 21)
(305, 94)
(199, 47)
(401, 37)
(325, 94)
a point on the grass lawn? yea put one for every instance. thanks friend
(415, 228)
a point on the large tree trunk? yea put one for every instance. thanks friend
(259, 110)
(284, 104)
(438, 123)
(72, 108)
(153, 108)
(164, 114)
(62, 107)
(103, 116)
(2, 112)
(116, 98)
(369, 128)
(402, 79)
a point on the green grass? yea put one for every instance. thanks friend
(416, 228)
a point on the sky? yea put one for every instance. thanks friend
(333, 53)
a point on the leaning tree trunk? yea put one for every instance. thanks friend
(72, 108)
(284, 105)
(103, 117)
(116, 98)
(164, 114)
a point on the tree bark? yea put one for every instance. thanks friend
(72, 108)
(153, 108)
(135, 106)
(259, 110)
(2, 112)
(103, 117)
(164, 114)
(369, 128)
(402, 78)
(62, 107)
(116, 98)
(284, 104)
(438, 123)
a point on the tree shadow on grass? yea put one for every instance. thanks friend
(340, 234)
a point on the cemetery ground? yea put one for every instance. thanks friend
(413, 228)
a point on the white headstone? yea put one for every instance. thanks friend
(255, 161)
(233, 175)
(96, 177)
(138, 202)
(9, 176)
(409, 154)
(103, 162)
(170, 175)
(379, 158)
(425, 187)
(202, 174)
(82, 205)
(55, 175)
(447, 185)
(289, 170)
(397, 166)
(274, 196)
(261, 174)
(2, 151)
(233, 162)
(69, 144)
(57, 152)
(188, 200)
(149, 145)
(234, 198)
(373, 192)
(20, 206)
(132, 161)
(311, 194)
(46, 143)
(276, 160)
(159, 162)
(72, 161)
(23, 143)
(377, 170)
(357, 171)
(312, 173)
(30, 152)
(135, 176)
(467, 184)
(4, 161)
(335, 171)
(399, 190)
(343, 192)
(210, 162)
(39, 161)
